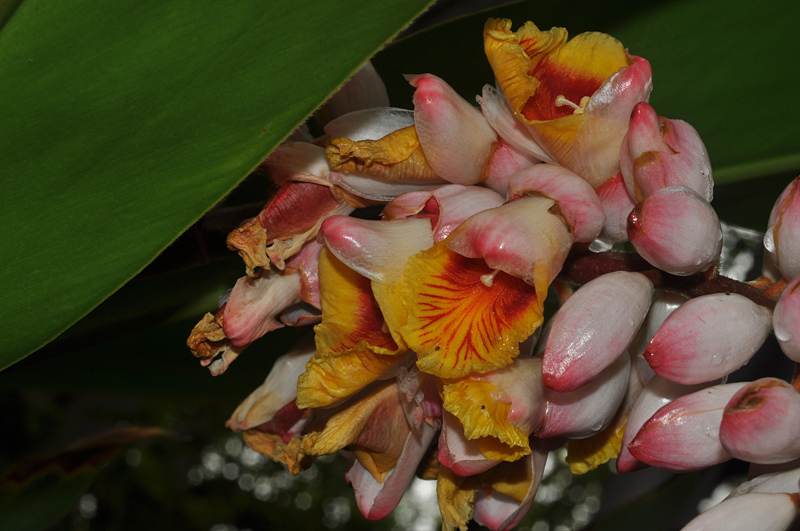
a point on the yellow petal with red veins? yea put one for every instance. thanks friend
(353, 346)
(584, 455)
(397, 156)
(480, 408)
(459, 324)
(547, 79)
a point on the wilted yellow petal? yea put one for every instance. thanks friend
(513, 480)
(459, 324)
(480, 408)
(272, 445)
(584, 455)
(456, 497)
(373, 427)
(207, 337)
(389, 298)
(353, 346)
(397, 156)
(328, 380)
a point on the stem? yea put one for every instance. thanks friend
(582, 267)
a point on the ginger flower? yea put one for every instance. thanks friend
(429, 301)
(576, 96)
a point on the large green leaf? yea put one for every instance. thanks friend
(122, 122)
(728, 67)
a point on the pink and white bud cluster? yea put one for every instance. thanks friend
(468, 189)
(666, 170)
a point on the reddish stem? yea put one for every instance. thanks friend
(583, 267)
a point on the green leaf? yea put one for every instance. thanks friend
(122, 122)
(724, 66)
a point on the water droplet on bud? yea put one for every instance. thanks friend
(769, 241)
(716, 359)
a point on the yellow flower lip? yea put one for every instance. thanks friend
(354, 348)
(545, 76)
(459, 324)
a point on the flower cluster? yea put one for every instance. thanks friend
(429, 356)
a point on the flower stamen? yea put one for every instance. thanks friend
(562, 101)
(488, 279)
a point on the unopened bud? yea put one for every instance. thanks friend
(676, 230)
(761, 423)
(617, 204)
(766, 512)
(594, 328)
(782, 239)
(708, 337)
(578, 201)
(657, 153)
(656, 394)
(785, 319)
(684, 434)
(588, 409)
(456, 138)
(446, 206)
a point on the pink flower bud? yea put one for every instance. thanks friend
(684, 434)
(761, 423)
(577, 199)
(785, 319)
(708, 337)
(595, 153)
(617, 204)
(588, 409)
(656, 394)
(657, 153)
(664, 303)
(375, 249)
(446, 206)
(459, 454)
(774, 482)
(454, 135)
(765, 512)
(676, 230)
(503, 163)
(782, 239)
(594, 327)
